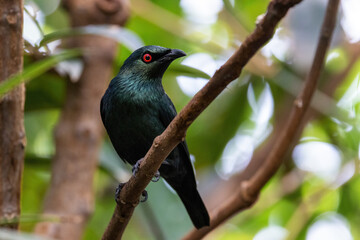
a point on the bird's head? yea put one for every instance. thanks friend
(150, 61)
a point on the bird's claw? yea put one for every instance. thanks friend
(117, 192)
(144, 194)
(136, 167)
(156, 177)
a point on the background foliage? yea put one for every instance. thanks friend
(316, 193)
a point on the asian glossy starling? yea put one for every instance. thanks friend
(135, 109)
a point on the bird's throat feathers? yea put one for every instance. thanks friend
(128, 85)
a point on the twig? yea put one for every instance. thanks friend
(248, 191)
(33, 18)
(175, 132)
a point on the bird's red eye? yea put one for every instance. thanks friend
(147, 58)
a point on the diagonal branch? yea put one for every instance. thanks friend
(248, 191)
(165, 143)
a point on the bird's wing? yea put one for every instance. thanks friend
(167, 114)
(167, 111)
(102, 110)
(186, 171)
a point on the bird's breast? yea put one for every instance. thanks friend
(132, 127)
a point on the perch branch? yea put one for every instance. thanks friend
(175, 132)
(248, 191)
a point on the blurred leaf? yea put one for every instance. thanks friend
(36, 69)
(31, 218)
(349, 204)
(313, 131)
(125, 36)
(47, 6)
(39, 127)
(46, 92)
(329, 201)
(352, 76)
(248, 11)
(35, 182)
(57, 20)
(228, 233)
(336, 60)
(34, 159)
(180, 69)
(154, 16)
(172, 6)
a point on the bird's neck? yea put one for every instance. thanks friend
(137, 90)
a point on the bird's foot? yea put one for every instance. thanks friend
(117, 192)
(136, 167)
(156, 177)
(144, 194)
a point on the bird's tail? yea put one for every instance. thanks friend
(193, 203)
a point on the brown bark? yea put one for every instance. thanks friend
(79, 132)
(246, 194)
(175, 132)
(12, 133)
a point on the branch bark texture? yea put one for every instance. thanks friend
(79, 132)
(165, 143)
(248, 191)
(12, 132)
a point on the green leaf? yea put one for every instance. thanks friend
(180, 69)
(336, 60)
(125, 36)
(47, 6)
(45, 92)
(36, 69)
(64, 33)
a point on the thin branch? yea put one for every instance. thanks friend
(248, 191)
(170, 138)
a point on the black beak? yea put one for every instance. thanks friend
(174, 54)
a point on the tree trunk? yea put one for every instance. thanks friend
(12, 133)
(79, 132)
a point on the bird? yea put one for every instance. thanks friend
(135, 109)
